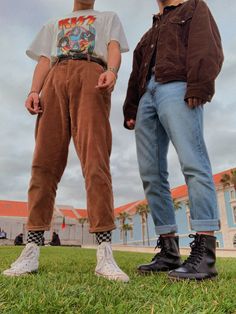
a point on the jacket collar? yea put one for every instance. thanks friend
(157, 17)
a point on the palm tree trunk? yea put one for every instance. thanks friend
(147, 230)
(123, 232)
(82, 240)
(125, 237)
(143, 230)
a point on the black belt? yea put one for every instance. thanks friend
(82, 56)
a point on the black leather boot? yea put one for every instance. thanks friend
(201, 262)
(168, 258)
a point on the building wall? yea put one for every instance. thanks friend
(225, 237)
(71, 234)
(229, 215)
(12, 226)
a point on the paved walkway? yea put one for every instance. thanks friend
(139, 249)
(183, 251)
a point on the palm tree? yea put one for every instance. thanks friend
(143, 210)
(187, 203)
(125, 229)
(177, 204)
(82, 221)
(228, 179)
(122, 217)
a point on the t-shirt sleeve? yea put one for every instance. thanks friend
(117, 33)
(42, 44)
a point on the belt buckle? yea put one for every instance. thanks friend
(73, 57)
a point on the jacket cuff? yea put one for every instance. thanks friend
(204, 91)
(128, 116)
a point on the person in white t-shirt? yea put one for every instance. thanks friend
(78, 57)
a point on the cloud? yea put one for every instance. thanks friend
(17, 126)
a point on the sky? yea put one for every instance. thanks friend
(19, 23)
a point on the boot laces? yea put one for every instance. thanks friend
(163, 252)
(197, 251)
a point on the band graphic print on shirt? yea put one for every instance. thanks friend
(76, 34)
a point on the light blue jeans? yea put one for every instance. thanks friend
(164, 116)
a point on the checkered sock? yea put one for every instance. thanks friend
(103, 237)
(35, 237)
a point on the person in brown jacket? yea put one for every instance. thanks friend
(175, 65)
(78, 57)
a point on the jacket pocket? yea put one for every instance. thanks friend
(180, 20)
(182, 25)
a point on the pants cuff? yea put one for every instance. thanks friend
(205, 225)
(102, 229)
(38, 228)
(166, 229)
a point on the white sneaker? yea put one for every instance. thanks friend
(106, 265)
(27, 262)
(23, 254)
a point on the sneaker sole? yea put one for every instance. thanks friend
(19, 275)
(109, 278)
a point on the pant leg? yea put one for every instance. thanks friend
(152, 147)
(92, 137)
(184, 127)
(52, 137)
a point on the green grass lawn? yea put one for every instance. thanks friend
(66, 283)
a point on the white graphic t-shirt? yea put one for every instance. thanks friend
(84, 31)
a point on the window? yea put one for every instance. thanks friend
(234, 241)
(234, 213)
(217, 244)
(189, 221)
(232, 194)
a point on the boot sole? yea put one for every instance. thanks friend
(146, 273)
(152, 272)
(174, 279)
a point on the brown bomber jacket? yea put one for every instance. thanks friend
(188, 48)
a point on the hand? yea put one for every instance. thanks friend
(130, 124)
(107, 81)
(194, 102)
(32, 103)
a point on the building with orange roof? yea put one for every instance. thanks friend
(13, 216)
(139, 234)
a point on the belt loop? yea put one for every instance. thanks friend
(57, 61)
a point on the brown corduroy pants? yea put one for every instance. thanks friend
(72, 107)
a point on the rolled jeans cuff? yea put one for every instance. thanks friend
(205, 225)
(166, 229)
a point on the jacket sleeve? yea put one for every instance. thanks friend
(204, 54)
(132, 97)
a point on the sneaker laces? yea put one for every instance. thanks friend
(197, 250)
(26, 254)
(22, 255)
(110, 263)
